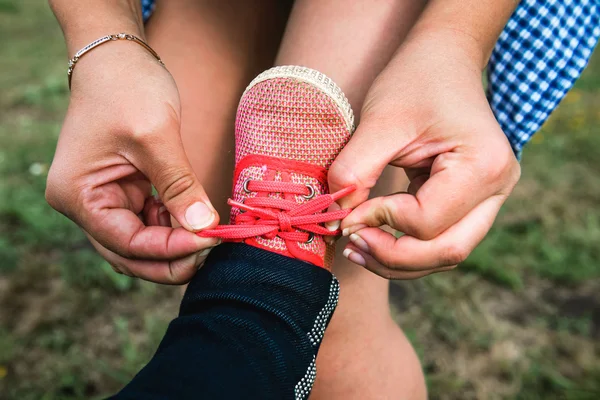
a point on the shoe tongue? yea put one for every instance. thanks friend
(289, 118)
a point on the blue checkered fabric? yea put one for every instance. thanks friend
(147, 8)
(539, 55)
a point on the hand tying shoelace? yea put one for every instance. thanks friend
(270, 217)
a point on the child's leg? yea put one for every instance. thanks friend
(213, 50)
(364, 354)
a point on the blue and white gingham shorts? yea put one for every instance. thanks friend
(539, 55)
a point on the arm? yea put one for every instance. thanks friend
(476, 21)
(120, 137)
(428, 114)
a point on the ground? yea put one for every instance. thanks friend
(519, 320)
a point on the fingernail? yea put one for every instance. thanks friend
(352, 229)
(205, 252)
(202, 241)
(333, 225)
(354, 257)
(199, 215)
(359, 242)
(193, 260)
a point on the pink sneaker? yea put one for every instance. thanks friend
(291, 124)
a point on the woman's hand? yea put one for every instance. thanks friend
(426, 113)
(120, 137)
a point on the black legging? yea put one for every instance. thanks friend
(249, 327)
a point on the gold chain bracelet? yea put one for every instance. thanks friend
(101, 41)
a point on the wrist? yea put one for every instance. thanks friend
(453, 43)
(108, 63)
(106, 40)
(468, 26)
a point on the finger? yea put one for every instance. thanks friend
(164, 217)
(451, 192)
(155, 213)
(332, 225)
(408, 253)
(355, 255)
(173, 272)
(150, 211)
(361, 162)
(416, 183)
(122, 232)
(165, 163)
(137, 189)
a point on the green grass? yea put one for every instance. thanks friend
(551, 226)
(519, 320)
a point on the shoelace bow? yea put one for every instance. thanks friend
(270, 217)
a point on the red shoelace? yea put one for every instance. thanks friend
(269, 217)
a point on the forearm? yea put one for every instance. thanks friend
(84, 21)
(325, 35)
(472, 25)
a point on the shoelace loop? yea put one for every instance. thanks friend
(270, 217)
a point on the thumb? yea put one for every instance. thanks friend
(179, 189)
(360, 163)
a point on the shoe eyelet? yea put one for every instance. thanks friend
(245, 186)
(311, 192)
(311, 238)
(241, 210)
